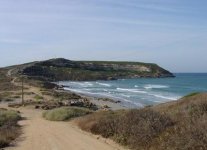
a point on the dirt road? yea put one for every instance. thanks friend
(40, 134)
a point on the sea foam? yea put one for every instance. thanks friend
(155, 86)
(104, 84)
(131, 90)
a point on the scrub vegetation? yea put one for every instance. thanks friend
(9, 130)
(174, 125)
(65, 113)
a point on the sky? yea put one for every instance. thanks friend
(171, 33)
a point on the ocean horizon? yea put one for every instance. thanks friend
(142, 92)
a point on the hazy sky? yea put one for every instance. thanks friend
(171, 33)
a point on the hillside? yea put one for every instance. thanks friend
(169, 126)
(63, 69)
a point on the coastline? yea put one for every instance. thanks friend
(101, 102)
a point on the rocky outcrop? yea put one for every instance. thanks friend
(63, 69)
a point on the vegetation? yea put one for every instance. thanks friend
(7, 96)
(175, 125)
(65, 113)
(9, 130)
(5, 81)
(191, 94)
(38, 97)
(62, 69)
(134, 128)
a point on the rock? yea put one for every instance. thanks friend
(67, 103)
(106, 106)
(49, 85)
(111, 78)
(60, 103)
(77, 103)
(37, 107)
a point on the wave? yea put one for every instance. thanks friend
(165, 97)
(78, 91)
(128, 96)
(155, 86)
(81, 84)
(105, 90)
(136, 86)
(88, 84)
(94, 93)
(104, 84)
(131, 90)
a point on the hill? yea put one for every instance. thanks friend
(174, 125)
(62, 69)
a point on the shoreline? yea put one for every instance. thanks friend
(101, 102)
(124, 103)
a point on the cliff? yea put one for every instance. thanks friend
(63, 69)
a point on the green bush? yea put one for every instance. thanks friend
(8, 116)
(38, 97)
(65, 113)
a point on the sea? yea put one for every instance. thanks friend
(142, 92)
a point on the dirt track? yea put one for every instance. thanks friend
(40, 134)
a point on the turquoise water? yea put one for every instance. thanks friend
(142, 92)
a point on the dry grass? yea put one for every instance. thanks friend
(8, 134)
(190, 130)
(134, 128)
(9, 130)
(5, 81)
(170, 126)
(7, 96)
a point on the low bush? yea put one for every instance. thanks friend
(134, 128)
(8, 134)
(191, 132)
(38, 97)
(9, 130)
(65, 113)
(8, 117)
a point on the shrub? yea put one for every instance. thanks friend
(38, 97)
(189, 132)
(197, 110)
(9, 130)
(8, 117)
(8, 134)
(135, 128)
(65, 113)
